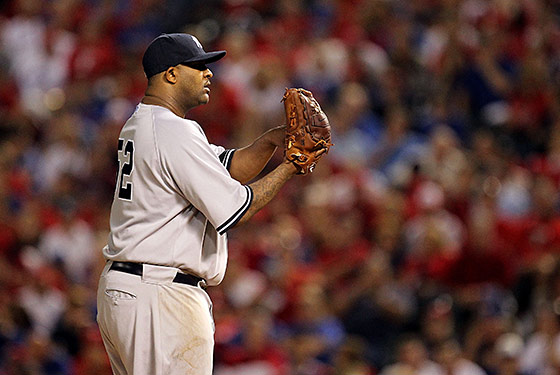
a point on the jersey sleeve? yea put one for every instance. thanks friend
(225, 155)
(201, 177)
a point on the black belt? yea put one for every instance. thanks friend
(137, 269)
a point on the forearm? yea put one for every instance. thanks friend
(267, 187)
(249, 161)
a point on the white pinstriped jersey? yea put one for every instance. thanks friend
(175, 198)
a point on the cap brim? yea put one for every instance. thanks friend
(207, 57)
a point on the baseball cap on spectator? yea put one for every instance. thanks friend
(169, 50)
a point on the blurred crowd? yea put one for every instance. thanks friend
(427, 242)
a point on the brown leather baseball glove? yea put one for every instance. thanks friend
(308, 132)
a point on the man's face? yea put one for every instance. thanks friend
(194, 82)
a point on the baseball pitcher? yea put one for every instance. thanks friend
(176, 197)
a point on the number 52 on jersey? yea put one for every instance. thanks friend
(126, 166)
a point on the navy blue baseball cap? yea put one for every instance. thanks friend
(169, 50)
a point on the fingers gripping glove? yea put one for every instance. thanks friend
(308, 133)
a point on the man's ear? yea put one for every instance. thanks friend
(170, 75)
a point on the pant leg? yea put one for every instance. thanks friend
(188, 330)
(116, 363)
(127, 326)
(153, 326)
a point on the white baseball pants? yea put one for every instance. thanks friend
(153, 326)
